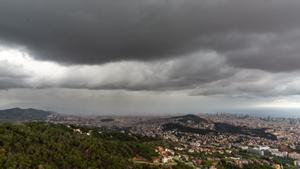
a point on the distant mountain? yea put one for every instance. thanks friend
(18, 114)
(191, 118)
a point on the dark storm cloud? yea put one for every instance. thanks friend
(9, 83)
(271, 52)
(100, 31)
(253, 84)
(172, 74)
(11, 77)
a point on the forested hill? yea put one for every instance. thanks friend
(18, 114)
(45, 146)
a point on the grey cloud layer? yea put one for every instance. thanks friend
(202, 73)
(252, 34)
(172, 74)
(243, 48)
(11, 76)
(253, 84)
(181, 73)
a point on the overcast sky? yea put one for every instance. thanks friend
(150, 56)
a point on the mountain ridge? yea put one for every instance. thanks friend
(20, 114)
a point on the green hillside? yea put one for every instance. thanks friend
(43, 146)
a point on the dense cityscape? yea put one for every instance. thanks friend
(208, 140)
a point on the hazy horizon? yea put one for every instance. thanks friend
(264, 113)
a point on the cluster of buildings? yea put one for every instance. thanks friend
(196, 149)
(234, 146)
(267, 151)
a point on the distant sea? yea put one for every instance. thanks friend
(266, 112)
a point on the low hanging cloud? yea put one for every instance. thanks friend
(203, 73)
(252, 34)
(170, 74)
(252, 84)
